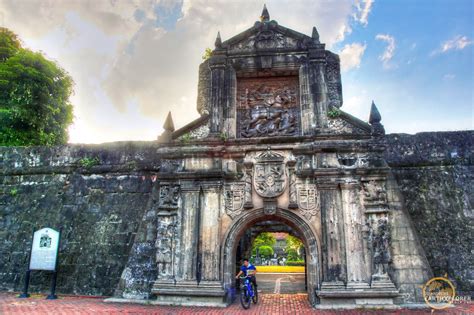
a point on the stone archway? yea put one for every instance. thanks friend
(309, 238)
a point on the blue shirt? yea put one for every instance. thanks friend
(245, 269)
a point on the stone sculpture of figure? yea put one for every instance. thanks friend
(381, 247)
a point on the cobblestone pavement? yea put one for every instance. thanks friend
(269, 304)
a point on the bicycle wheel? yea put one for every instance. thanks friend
(244, 298)
(255, 294)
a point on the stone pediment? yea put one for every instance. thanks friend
(344, 123)
(268, 36)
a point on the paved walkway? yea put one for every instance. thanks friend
(279, 283)
(269, 304)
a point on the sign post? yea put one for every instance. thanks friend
(44, 256)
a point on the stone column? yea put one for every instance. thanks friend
(353, 228)
(333, 240)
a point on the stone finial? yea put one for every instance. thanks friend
(315, 35)
(218, 42)
(169, 125)
(374, 120)
(265, 17)
(375, 116)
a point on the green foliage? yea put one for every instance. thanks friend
(293, 246)
(207, 54)
(263, 239)
(34, 96)
(334, 112)
(223, 136)
(88, 162)
(186, 138)
(294, 262)
(13, 192)
(265, 251)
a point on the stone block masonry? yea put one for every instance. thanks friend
(98, 194)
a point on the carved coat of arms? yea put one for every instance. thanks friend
(234, 197)
(269, 175)
(308, 200)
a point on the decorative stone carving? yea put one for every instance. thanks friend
(291, 169)
(374, 194)
(169, 196)
(268, 107)
(264, 40)
(269, 175)
(333, 79)
(269, 206)
(248, 185)
(308, 200)
(234, 196)
(353, 160)
(169, 166)
(341, 126)
(165, 246)
(379, 240)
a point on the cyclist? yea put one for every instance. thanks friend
(248, 270)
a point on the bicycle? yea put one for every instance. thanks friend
(248, 292)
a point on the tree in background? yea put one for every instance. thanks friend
(34, 96)
(293, 248)
(263, 239)
(265, 251)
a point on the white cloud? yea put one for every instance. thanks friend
(351, 55)
(458, 42)
(389, 51)
(363, 10)
(140, 58)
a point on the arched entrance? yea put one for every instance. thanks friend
(249, 218)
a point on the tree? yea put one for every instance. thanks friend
(293, 247)
(34, 96)
(266, 251)
(263, 239)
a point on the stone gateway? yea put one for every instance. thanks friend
(272, 144)
(168, 221)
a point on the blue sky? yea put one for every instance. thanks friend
(133, 61)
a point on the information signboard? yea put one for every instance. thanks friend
(44, 250)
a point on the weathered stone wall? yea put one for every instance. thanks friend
(96, 194)
(435, 173)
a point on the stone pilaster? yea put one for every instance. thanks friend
(353, 228)
(248, 204)
(217, 64)
(333, 241)
(318, 89)
(293, 203)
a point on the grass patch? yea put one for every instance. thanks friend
(282, 269)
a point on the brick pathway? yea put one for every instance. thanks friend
(269, 304)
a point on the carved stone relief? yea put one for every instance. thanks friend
(266, 39)
(269, 175)
(374, 194)
(379, 242)
(308, 200)
(341, 126)
(165, 246)
(234, 196)
(268, 107)
(169, 196)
